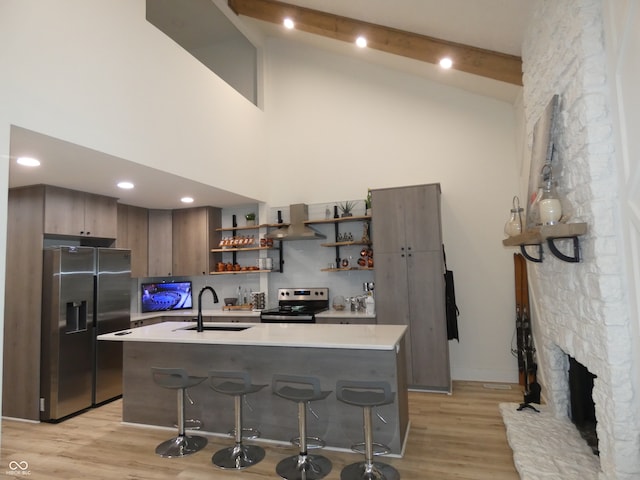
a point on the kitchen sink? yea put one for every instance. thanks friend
(219, 328)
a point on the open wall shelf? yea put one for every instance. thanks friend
(549, 234)
(336, 221)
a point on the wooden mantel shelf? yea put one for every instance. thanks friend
(549, 233)
(538, 235)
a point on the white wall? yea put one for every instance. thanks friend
(337, 126)
(96, 73)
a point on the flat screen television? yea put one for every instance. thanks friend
(156, 297)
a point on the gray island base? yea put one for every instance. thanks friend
(330, 352)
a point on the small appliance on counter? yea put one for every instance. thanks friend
(297, 305)
(258, 300)
(85, 293)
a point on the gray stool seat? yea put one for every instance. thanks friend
(367, 394)
(239, 456)
(182, 444)
(302, 390)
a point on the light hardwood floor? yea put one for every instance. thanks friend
(459, 436)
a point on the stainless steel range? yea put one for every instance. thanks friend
(297, 305)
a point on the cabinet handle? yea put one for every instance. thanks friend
(88, 233)
(402, 255)
(408, 248)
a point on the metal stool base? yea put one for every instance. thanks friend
(376, 471)
(190, 424)
(304, 467)
(311, 442)
(249, 433)
(181, 446)
(378, 448)
(238, 457)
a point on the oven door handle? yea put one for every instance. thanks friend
(286, 318)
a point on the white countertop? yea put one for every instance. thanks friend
(191, 314)
(365, 337)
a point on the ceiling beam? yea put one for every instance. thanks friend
(477, 61)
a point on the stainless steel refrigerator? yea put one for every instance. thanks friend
(86, 292)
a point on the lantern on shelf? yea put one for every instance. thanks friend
(513, 226)
(549, 207)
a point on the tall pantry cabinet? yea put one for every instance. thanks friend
(409, 278)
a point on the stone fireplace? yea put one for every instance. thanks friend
(582, 310)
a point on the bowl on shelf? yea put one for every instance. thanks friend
(230, 302)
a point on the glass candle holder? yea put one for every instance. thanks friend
(513, 226)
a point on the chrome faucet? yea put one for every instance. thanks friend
(215, 300)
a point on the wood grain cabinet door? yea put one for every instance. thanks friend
(100, 216)
(160, 246)
(422, 231)
(79, 214)
(133, 233)
(194, 234)
(429, 343)
(63, 211)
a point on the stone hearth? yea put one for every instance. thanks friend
(546, 447)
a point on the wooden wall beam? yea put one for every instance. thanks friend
(477, 61)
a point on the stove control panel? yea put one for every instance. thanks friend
(303, 294)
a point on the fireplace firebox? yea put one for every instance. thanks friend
(583, 409)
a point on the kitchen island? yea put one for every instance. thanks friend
(330, 352)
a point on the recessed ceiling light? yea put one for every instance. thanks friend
(288, 23)
(28, 161)
(361, 42)
(125, 185)
(186, 200)
(446, 63)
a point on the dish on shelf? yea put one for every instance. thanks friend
(237, 241)
(233, 267)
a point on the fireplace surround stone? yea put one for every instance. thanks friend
(583, 309)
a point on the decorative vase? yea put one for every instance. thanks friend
(251, 223)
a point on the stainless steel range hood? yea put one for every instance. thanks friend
(296, 230)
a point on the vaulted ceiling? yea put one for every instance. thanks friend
(483, 37)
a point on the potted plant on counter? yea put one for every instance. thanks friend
(251, 219)
(367, 204)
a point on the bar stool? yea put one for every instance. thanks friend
(239, 456)
(367, 395)
(307, 389)
(183, 444)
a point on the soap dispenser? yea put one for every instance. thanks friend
(370, 304)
